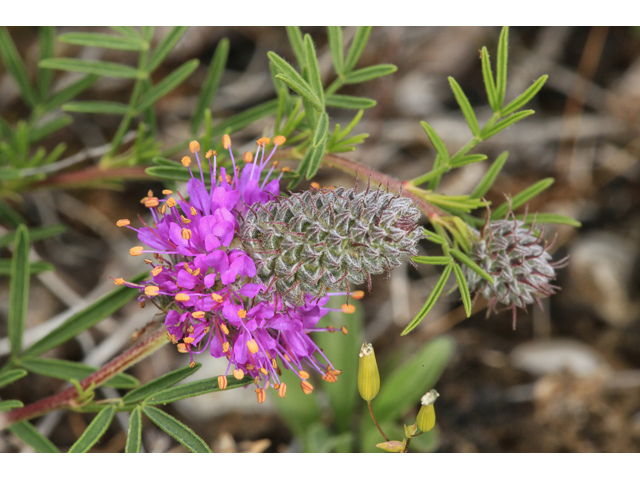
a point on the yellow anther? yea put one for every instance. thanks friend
(172, 338)
(222, 382)
(226, 141)
(192, 364)
(199, 314)
(182, 297)
(315, 184)
(123, 223)
(149, 262)
(263, 141)
(242, 313)
(279, 140)
(196, 272)
(189, 339)
(224, 329)
(303, 374)
(171, 202)
(225, 347)
(285, 169)
(227, 177)
(150, 193)
(329, 377)
(163, 209)
(252, 345)
(274, 364)
(260, 394)
(348, 308)
(216, 298)
(247, 157)
(210, 153)
(238, 374)
(194, 146)
(307, 388)
(344, 330)
(183, 347)
(263, 371)
(282, 390)
(357, 295)
(152, 202)
(186, 233)
(167, 192)
(286, 357)
(135, 251)
(156, 271)
(119, 281)
(186, 161)
(276, 163)
(250, 367)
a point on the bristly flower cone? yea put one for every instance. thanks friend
(322, 240)
(518, 261)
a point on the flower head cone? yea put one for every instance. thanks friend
(201, 274)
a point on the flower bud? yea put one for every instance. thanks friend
(368, 376)
(392, 446)
(427, 415)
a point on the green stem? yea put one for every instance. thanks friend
(376, 422)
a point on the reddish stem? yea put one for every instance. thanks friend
(376, 422)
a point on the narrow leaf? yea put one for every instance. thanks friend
(164, 47)
(507, 122)
(434, 237)
(10, 405)
(322, 129)
(194, 389)
(468, 159)
(357, 47)
(490, 177)
(172, 80)
(147, 32)
(541, 218)
(295, 39)
(159, 384)
(46, 38)
(166, 172)
(134, 433)
(30, 435)
(246, 118)
(176, 429)
(501, 72)
(19, 289)
(315, 160)
(11, 376)
(436, 141)
(349, 101)
(489, 83)
(370, 73)
(465, 106)
(34, 267)
(471, 264)
(94, 431)
(42, 131)
(106, 69)
(210, 86)
(524, 98)
(113, 108)
(86, 318)
(522, 197)
(431, 301)
(432, 260)
(464, 289)
(68, 370)
(337, 49)
(315, 80)
(103, 40)
(126, 31)
(14, 65)
(35, 234)
(301, 88)
(69, 92)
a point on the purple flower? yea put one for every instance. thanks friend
(202, 275)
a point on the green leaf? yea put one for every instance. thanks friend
(68, 370)
(10, 405)
(164, 47)
(34, 267)
(410, 381)
(246, 118)
(172, 80)
(465, 106)
(322, 128)
(490, 177)
(295, 39)
(159, 384)
(126, 31)
(94, 431)
(464, 289)
(106, 69)
(166, 172)
(357, 47)
(14, 65)
(436, 141)
(176, 429)
(86, 318)
(10, 215)
(434, 237)
(525, 97)
(42, 131)
(370, 73)
(501, 72)
(11, 376)
(349, 101)
(69, 92)
(468, 159)
(103, 40)
(19, 289)
(471, 264)
(46, 39)
(431, 301)
(432, 260)
(134, 434)
(210, 86)
(31, 436)
(35, 234)
(315, 80)
(315, 160)
(337, 49)
(489, 84)
(541, 218)
(522, 197)
(113, 108)
(147, 32)
(193, 389)
(293, 79)
(507, 122)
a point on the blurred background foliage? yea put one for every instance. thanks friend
(78, 134)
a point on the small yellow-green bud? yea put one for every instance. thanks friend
(368, 376)
(411, 430)
(427, 415)
(392, 446)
